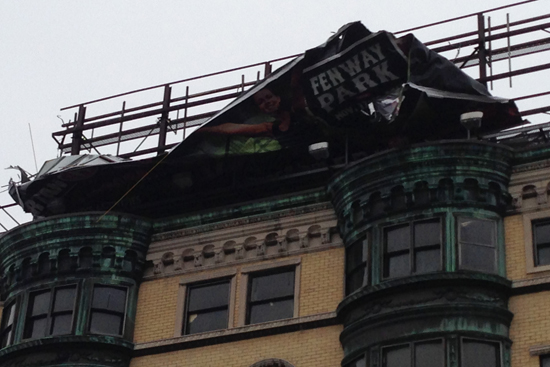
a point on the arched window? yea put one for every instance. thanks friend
(272, 362)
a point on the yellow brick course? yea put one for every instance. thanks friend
(321, 289)
(307, 348)
(530, 326)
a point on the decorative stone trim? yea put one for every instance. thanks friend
(240, 222)
(534, 282)
(539, 350)
(529, 190)
(270, 239)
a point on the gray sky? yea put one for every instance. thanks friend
(61, 52)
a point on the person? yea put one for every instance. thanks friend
(275, 119)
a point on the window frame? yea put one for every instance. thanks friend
(49, 315)
(106, 311)
(412, 350)
(495, 233)
(528, 222)
(412, 249)
(14, 308)
(542, 358)
(266, 268)
(191, 280)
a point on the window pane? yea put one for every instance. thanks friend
(544, 361)
(542, 233)
(354, 255)
(543, 255)
(361, 362)
(477, 231)
(398, 238)
(61, 324)
(355, 280)
(64, 299)
(8, 316)
(109, 298)
(427, 234)
(208, 296)
(6, 338)
(271, 311)
(208, 321)
(37, 328)
(475, 257)
(398, 266)
(264, 287)
(478, 354)
(40, 303)
(429, 355)
(397, 357)
(102, 323)
(427, 261)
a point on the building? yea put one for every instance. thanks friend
(433, 254)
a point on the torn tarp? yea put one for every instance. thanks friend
(359, 90)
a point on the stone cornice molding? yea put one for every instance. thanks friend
(198, 249)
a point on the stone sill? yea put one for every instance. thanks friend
(234, 334)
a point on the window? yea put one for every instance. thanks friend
(477, 244)
(108, 310)
(541, 243)
(476, 353)
(421, 354)
(271, 296)
(360, 362)
(356, 266)
(7, 327)
(412, 248)
(545, 361)
(50, 312)
(207, 307)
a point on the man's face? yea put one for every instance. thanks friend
(266, 101)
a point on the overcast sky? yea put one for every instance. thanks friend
(58, 53)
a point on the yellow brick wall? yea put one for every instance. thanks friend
(515, 247)
(530, 326)
(307, 348)
(321, 289)
(322, 285)
(156, 310)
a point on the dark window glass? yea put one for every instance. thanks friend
(413, 248)
(356, 266)
(429, 354)
(420, 354)
(108, 310)
(271, 296)
(361, 362)
(50, 316)
(207, 307)
(480, 354)
(62, 314)
(477, 244)
(397, 356)
(6, 330)
(37, 315)
(545, 361)
(541, 243)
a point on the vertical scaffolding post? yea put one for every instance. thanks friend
(163, 123)
(481, 51)
(77, 133)
(120, 127)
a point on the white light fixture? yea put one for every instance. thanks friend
(319, 151)
(471, 120)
